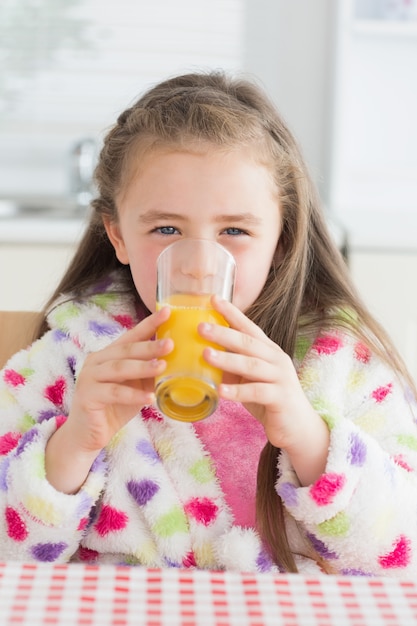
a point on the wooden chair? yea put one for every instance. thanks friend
(16, 332)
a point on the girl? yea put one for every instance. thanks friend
(316, 430)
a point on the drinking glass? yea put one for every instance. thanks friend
(189, 272)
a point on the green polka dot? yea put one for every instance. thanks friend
(103, 300)
(128, 559)
(347, 315)
(26, 372)
(38, 465)
(302, 346)
(202, 471)
(26, 423)
(62, 314)
(409, 441)
(325, 410)
(337, 526)
(171, 523)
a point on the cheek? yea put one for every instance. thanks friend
(250, 279)
(144, 276)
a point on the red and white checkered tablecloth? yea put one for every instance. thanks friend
(64, 595)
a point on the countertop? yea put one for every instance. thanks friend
(42, 231)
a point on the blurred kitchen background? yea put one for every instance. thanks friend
(342, 72)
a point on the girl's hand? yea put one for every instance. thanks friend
(262, 377)
(112, 386)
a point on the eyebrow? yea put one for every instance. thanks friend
(247, 218)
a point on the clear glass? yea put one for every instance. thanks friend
(189, 272)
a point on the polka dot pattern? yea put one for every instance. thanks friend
(153, 498)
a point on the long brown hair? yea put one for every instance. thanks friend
(311, 282)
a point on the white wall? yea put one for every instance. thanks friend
(288, 46)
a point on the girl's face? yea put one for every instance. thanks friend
(223, 196)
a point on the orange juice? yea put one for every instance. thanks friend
(187, 388)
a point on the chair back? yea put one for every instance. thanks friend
(17, 329)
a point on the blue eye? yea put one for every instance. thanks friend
(234, 231)
(166, 230)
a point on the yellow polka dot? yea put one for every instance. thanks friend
(382, 523)
(6, 398)
(146, 553)
(204, 556)
(116, 439)
(43, 511)
(356, 379)
(309, 377)
(372, 421)
(164, 448)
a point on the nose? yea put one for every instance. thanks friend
(198, 260)
(199, 266)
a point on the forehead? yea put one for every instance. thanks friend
(145, 149)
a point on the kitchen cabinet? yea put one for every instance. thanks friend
(29, 273)
(387, 283)
(372, 152)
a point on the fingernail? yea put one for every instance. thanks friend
(225, 390)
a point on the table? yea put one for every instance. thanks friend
(62, 595)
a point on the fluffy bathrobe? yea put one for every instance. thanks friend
(158, 496)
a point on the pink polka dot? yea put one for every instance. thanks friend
(110, 520)
(124, 320)
(189, 560)
(59, 420)
(83, 523)
(399, 556)
(203, 510)
(382, 392)
(16, 527)
(362, 352)
(55, 393)
(150, 413)
(399, 460)
(13, 378)
(328, 344)
(8, 442)
(326, 487)
(87, 555)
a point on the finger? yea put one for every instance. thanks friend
(138, 350)
(119, 370)
(255, 393)
(236, 319)
(115, 394)
(147, 328)
(247, 367)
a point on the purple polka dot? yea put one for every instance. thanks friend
(4, 468)
(103, 330)
(263, 561)
(146, 449)
(58, 335)
(72, 364)
(357, 451)
(99, 463)
(142, 491)
(85, 504)
(102, 285)
(26, 439)
(288, 493)
(321, 547)
(47, 415)
(48, 552)
(355, 572)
